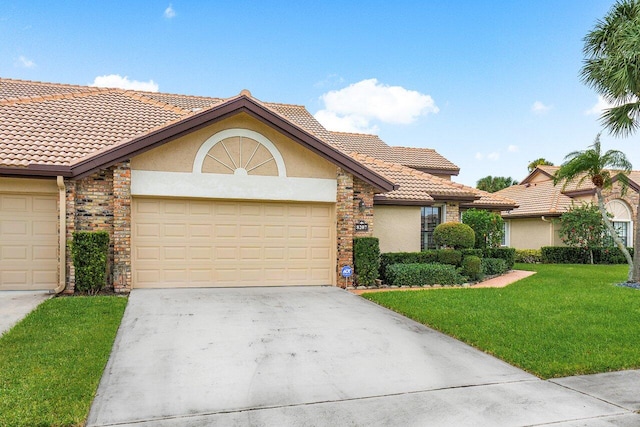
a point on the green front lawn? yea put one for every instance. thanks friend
(52, 361)
(564, 320)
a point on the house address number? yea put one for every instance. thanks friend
(362, 226)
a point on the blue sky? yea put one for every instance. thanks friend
(491, 85)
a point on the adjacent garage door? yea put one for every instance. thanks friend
(197, 243)
(28, 241)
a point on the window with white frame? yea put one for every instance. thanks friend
(505, 233)
(621, 219)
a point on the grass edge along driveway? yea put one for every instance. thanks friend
(565, 320)
(51, 362)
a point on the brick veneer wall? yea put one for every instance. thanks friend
(70, 222)
(363, 191)
(122, 227)
(344, 219)
(452, 213)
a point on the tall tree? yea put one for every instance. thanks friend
(612, 65)
(612, 68)
(492, 184)
(538, 162)
(592, 164)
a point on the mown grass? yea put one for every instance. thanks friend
(564, 320)
(52, 361)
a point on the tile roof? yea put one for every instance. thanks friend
(420, 158)
(11, 89)
(536, 199)
(418, 186)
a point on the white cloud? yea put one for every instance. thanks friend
(25, 62)
(169, 12)
(539, 108)
(479, 156)
(354, 108)
(599, 106)
(493, 156)
(513, 148)
(117, 81)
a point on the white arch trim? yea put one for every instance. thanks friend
(619, 209)
(230, 133)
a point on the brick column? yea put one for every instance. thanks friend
(344, 217)
(363, 211)
(122, 227)
(452, 212)
(70, 220)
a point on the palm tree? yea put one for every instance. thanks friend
(593, 165)
(538, 162)
(612, 65)
(491, 184)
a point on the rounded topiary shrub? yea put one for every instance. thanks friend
(472, 267)
(454, 235)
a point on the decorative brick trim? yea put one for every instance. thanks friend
(363, 212)
(122, 227)
(345, 223)
(70, 221)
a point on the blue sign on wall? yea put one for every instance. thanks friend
(347, 271)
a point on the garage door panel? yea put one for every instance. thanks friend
(28, 241)
(224, 243)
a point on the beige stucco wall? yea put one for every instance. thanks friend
(533, 233)
(27, 185)
(397, 228)
(179, 155)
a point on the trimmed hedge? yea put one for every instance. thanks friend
(423, 274)
(472, 267)
(573, 255)
(89, 250)
(366, 259)
(474, 252)
(389, 258)
(529, 256)
(493, 266)
(507, 254)
(454, 235)
(450, 257)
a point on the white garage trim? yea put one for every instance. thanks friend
(220, 186)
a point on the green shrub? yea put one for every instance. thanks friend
(488, 227)
(528, 256)
(366, 259)
(574, 255)
(474, 252)
(423, 274)
(507, 254)
(492, 266)
(449, 256)
(90, 251)
(386, 259)
(472, 267)
(454, 235)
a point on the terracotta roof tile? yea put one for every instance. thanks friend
(11, 89)
(540, 198)
(421, 158)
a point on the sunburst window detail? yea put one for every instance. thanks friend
(239, 152)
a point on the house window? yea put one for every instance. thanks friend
(621, 219)
(505, 234)
(431, 217)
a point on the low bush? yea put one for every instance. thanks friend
(389, 258)
(507, 254)
(423, 274)
(454, 235)
(472, 267)
(474, 252)
(366, 259)
(493, 266)
(528, 256)
(573, 255)
(450, 257)
(90, 253)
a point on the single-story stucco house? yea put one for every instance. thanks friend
(534, 223)
(197, 191)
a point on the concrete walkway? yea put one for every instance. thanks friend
(14, 305)
(320, 356)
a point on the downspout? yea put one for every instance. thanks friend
(62, 237)
(551, 237)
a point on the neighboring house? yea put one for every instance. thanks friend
(198, 191)
(534, 223)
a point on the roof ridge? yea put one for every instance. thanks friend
(354, 133)
(41, 83)
(80, 94)
(281, 103)
(140, 96)
(413, 148)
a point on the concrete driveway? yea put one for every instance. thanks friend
(313, 356)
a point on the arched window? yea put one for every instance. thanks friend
(622, 221)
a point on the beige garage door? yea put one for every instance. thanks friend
(197, 243)
(28, 242)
